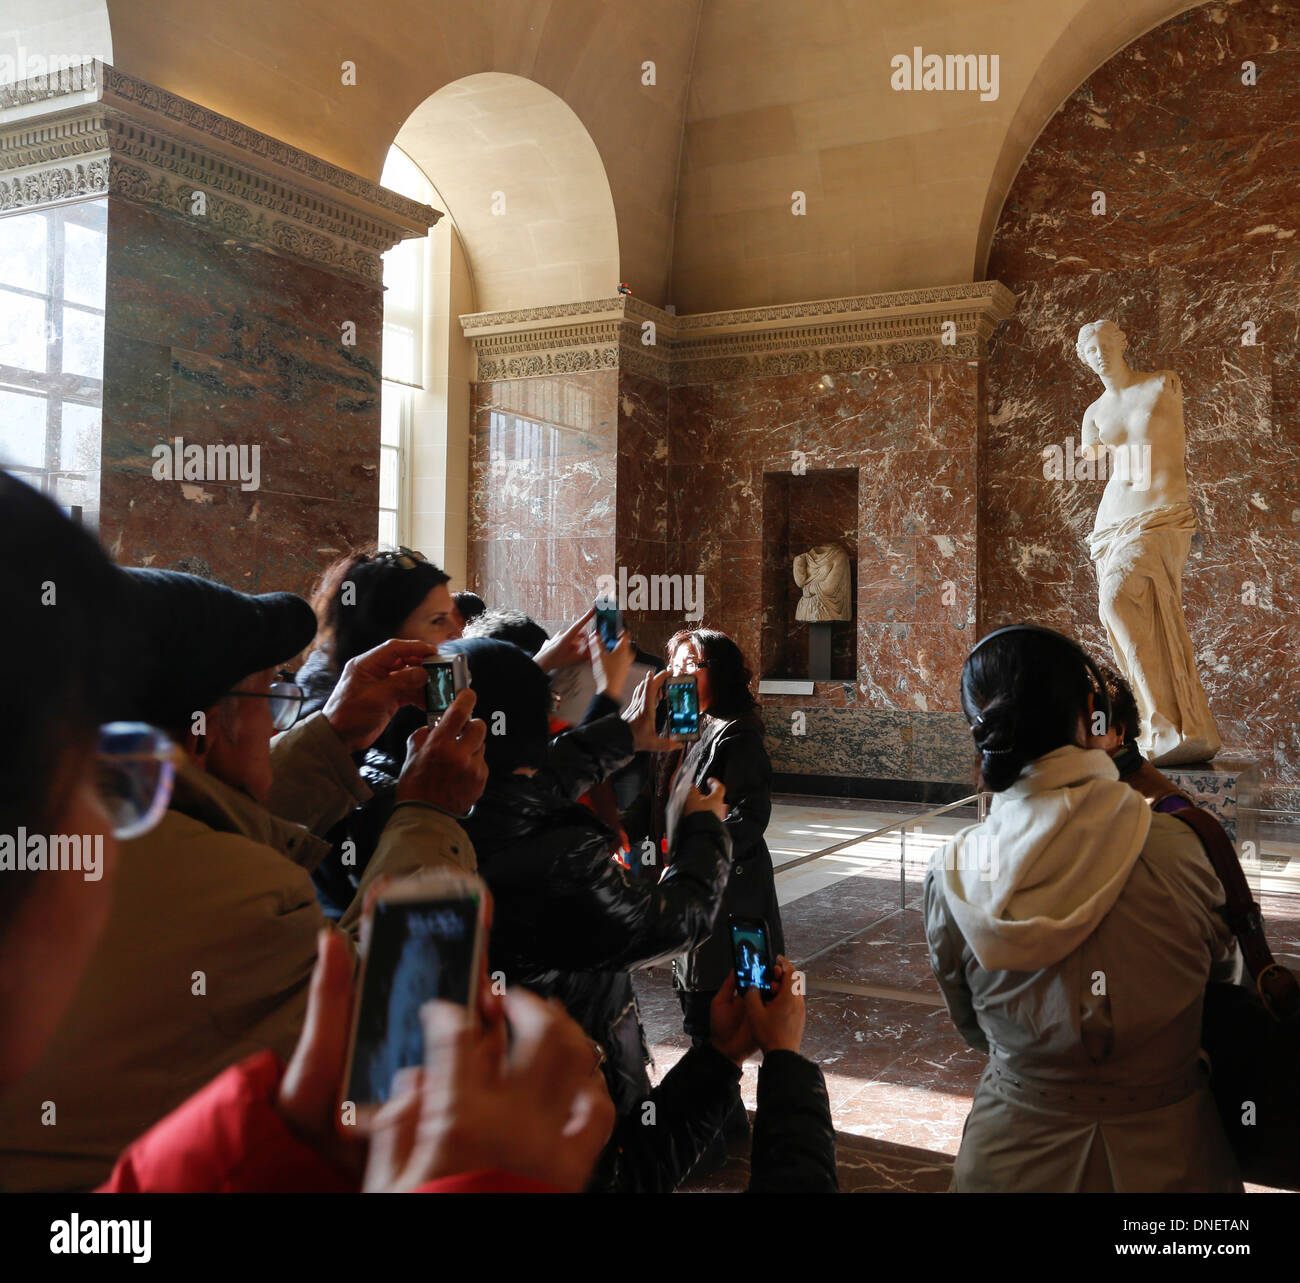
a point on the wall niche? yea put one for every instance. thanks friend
(800, 512)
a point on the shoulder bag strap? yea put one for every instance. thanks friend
(1277, 986)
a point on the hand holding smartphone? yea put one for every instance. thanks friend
(682, 695)
(609, 622)
(444, 677)
(752, 953)
(423, 938)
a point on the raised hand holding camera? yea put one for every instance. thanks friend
(527, 1097)
(610, 667)
(444, 765)
(372, 687)
(640, 715)
(778, 1023)
(566, 648)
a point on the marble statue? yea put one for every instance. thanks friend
(1140, 542)
(823, 574)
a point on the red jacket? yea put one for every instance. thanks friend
(229, 1138)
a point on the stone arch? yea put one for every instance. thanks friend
(525, 186)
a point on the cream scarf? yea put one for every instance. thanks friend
(1031, 883)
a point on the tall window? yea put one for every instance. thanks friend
(404, 269)
(52, 271)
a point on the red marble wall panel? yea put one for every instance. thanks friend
(897, 448)
(543, 486)
(220, 343)
(1196, 252)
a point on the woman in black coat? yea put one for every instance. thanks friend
(568, 920)
(730, 749)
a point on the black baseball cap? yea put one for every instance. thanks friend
(194, 640)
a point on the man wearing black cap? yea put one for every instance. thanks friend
(212, 936)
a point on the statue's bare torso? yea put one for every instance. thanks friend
(1147, 414)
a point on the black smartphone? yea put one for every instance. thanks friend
(609, 623)
(682, 695)
(752, 952)
(424, 939)
(444, 675)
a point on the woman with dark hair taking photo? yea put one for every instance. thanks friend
(362, 601)
(730, 749)
(370, 597)
(1073, 933)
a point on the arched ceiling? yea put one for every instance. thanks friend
(525, 185)
(752, 100)
(902, 188)
(276, 66)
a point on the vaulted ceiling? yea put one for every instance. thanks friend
(752, 101)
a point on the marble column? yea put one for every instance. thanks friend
(212, 299)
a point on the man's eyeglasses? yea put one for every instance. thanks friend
(689, 666)
(286, 702)
(402, 557)
(135, 776)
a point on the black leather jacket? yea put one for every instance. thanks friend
(793, 1150)
(569, 921)
(735, 755)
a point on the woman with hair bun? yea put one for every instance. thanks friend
(1072, 934)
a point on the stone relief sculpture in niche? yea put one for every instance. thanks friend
(1140, 542)
(823, 574)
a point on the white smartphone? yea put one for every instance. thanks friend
(444, 677)
(423, 938)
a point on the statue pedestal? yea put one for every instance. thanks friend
(819, 651)
(1228, 788)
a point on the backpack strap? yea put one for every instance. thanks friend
(1277, 986)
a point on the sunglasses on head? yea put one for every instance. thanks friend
(402, 557)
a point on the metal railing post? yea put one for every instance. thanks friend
(902, 867)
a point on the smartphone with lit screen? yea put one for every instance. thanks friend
(609, 623)
(682, 695)
(444, 676)
(751, 952)
(423, 938)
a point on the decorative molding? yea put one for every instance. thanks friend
(56, 83)
(93, 130)
(907, 326)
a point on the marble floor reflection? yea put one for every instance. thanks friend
(900, 1079)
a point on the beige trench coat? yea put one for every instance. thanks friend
(206, 957)
(1095, 1080)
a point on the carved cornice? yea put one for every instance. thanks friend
(92, 129)
(941, 323)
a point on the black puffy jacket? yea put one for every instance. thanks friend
(569, 921)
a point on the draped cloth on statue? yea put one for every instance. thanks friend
(1139, 578)
(823, 574)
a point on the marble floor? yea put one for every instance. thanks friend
(899, 1077)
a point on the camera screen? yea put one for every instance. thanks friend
(683, 708)
(418, 950)
(609, 624)
(749, 945)
(439, 687)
